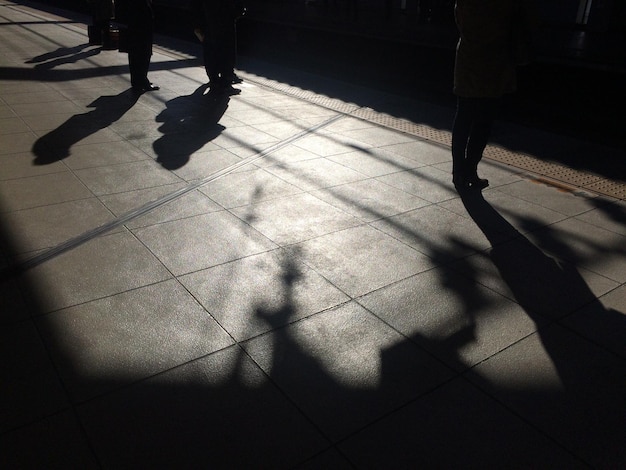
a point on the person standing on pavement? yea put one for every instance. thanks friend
(139, 17)
(484, 72)
(215, 28)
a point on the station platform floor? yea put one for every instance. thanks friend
(286, 277)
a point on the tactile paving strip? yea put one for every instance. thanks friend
(547, 171)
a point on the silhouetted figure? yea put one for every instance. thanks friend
(139, 17)
(215, 28)
(484, 71)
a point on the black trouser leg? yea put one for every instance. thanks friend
(470, 133)
(139, 63)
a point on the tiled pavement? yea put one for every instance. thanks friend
(270, 281)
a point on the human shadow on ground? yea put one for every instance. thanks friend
(56, 144)
(64, 55)
(188, 124)
(583, 376)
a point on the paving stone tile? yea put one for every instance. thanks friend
(26, 371)
(248, 186)
(455, 426)
(428, 183)
(370, 199)
(344, 368)
(12, 125)
(326, 145)
(348, 124)
(378, 136)
(585, 245)
(220, 410)
(315, 114)
(47, 226)
(41, 190)
(283, 130)
(139, 334)
(374, 162)
(566, 387)
(17, 143)
(203, 241)
(609, 215)
(46, 122)
(501, 212)
(437, 232)
(567, 203)
(294, 219)
(285, 155)
(603, 321)
(422, 152)
(247, 136)
(104, 266)
(5, 111)
(315, 174)
(188, 205)
(137, 130)
(541, 284)
(98, 155)
(125, 177)
(202, 165)
(60, 143)
(261, 293)
(361, 259)
(20, 165)
(455, 318)
(58, 107)
(33, 96)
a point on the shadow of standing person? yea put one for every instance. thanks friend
(189, 123)
(56, 144)
(64, 55)
(576, 376)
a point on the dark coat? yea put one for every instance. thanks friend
(216, 15)
(138, 16)
(484, 67)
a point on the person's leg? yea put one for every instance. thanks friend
(461, 129)
(135, 69)
(139, 63)
(230, 52)
(210, 60)
(484, 115)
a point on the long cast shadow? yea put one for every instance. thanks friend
(64, 55)
(587, 397)
(56, 144)
(188, 123)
